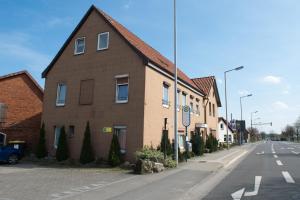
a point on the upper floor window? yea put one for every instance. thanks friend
(221, 126)
(191, 107)
(122, 84)
(3, 112)
(183, 99)
(103, 41)
(79, 46)
(209, 109)
(197, 109)
(214, 110)
(165, 100)
(61, 94)
(178, 99)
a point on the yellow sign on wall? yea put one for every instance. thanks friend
(107, 129)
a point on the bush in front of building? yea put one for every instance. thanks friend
(114, 156)
(87, 153)
(41, 151)
(62, 151)
(165, 144)
(211, 143)
(198, 147)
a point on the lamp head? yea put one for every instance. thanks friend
(239, 68)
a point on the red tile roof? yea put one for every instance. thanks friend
(205, 84)
(21, 73)
(139, 45)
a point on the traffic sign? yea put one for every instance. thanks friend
(186, 116)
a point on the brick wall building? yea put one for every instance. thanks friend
(21, 101)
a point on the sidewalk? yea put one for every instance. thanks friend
(191, 180)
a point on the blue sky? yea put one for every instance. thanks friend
(213, 36)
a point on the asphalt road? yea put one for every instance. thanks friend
(271, 171)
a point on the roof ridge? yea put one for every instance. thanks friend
(210, 76)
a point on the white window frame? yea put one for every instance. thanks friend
(165, 104)
(56, 139)
(57, 94)
(75, 49)
(197, 110)
(117, 88)
(98, 43)
(184, 97)
(192, 107)
(123, 151)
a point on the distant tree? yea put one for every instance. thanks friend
(288, 132)
(41, 151)
(87, 153)
(62, 151)
(297, 127)
(263, 135)
(114, 157)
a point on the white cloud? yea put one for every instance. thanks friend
(17, 46)
(220, 81)
(279, 105)
(127, 4)
(285, 92)
(54, 22)
(272, 79)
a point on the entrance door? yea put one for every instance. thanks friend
(2, 139)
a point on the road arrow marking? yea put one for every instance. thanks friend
(275, 156)
(238, 194)
(288, 178)
(279, 162)
(256, 187)
(295, 152)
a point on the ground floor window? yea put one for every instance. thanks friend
(181, 139)
(2, 139)
(229, 138)
(225, 138)
(56, 136)
(121, 131)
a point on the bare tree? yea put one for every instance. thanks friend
(297, 127)
(289, 132)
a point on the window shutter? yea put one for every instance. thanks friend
(86, 92)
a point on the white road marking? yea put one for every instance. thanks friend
(295, 152)
(260, 153)
(235, 159)
(275, 156)
(273, 152)
(83, 189)
(288, 178)
(256, 187)
(279, 162)
(290, 148)
(238, 194)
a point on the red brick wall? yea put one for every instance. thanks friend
(24, 101)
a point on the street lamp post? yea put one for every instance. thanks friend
(249, 95)
(175, 89)
(236, 69)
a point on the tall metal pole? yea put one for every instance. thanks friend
(226, 112)
(175, 89)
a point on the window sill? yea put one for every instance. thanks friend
(102, 49)
(122, 102)
(76, 54)
(165, 106)
(60, 105)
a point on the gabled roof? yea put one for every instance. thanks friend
(205, 84)
(142, 48)
(24, 72)
(227, 124)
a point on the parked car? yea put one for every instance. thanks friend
(12, 153)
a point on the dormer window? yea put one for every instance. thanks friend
(103, 41)
(79, 46)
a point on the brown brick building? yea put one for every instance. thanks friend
(108, 76)
(21, 100)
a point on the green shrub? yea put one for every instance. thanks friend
(196, 144)
(41, 151)
(211, 143)
(165, 142)
(87, 153)
(114, 157)
(169, 163)
(62, 151)
(149, 154)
